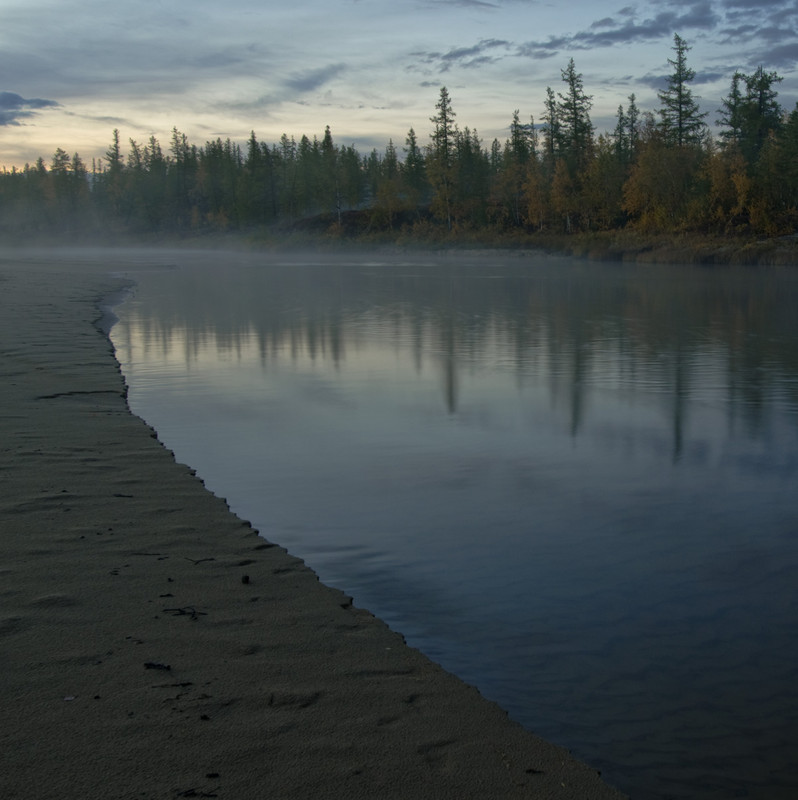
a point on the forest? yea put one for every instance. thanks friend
(660, 171)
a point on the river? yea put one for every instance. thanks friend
(572, 484)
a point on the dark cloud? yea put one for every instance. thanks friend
(659, 82)
(701, 16)
(763, 32)
(784, 57)
(739, 34)
(710, 76)
(609, 31)
(13, 107)
(291, 89)
(475, 55)
(607, 22)
(312, 79)
(466, 57)
(656, 82)
(747, 17)
(748, 6)
(757, 32)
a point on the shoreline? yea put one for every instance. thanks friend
(319, 235)
(157, 646)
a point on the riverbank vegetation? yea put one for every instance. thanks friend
(659, 183)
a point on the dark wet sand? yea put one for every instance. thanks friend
(154, 646)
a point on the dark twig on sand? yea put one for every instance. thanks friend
(189, 611)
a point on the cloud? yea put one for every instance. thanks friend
(215, 61)
(762, 32)
(607, 22)
(785, 56)
(740, 33)
(608, 32)
(748, 6)
(291, 89)
(747, 19)
(466, 57)
(481, 4)
(13, 107)
(312, 79)
(710, 76)
(764, 24)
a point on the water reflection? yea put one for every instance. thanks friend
(681, 335)
(571, 484)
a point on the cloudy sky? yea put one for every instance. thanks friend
(73, 70)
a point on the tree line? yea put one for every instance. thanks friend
(657, 171)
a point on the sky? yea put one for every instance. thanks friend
(71, 71)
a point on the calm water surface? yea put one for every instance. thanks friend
(571, 484)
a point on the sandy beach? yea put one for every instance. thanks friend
(154, 645)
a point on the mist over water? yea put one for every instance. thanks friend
(571, 484)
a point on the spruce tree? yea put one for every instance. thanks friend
(521, 139)
(445, 127)
(682, 120)
(749, 118)
(576, 129)
(551, 125)
(731, 111)
(329, 181)
(440, 168)
(627, 131)
(414, 170)
(762, 114)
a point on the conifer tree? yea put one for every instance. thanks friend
(536, 195)
(496, 156)
(682, 119)
(414, 170)
(732, 112)
(522, 144)
(551, 126)
(351, 176)
(330, 182)
(762, 114)
(154, 184)
(627, 130)
(60, 162)
(440, 162)
(389, 198)
(113, 178)
(787, 145)
(510, 171)
(445, 128)
(576, 129)
(113, 155)
(470, 188)
(749, 118)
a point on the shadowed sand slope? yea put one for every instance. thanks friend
(154, 646)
